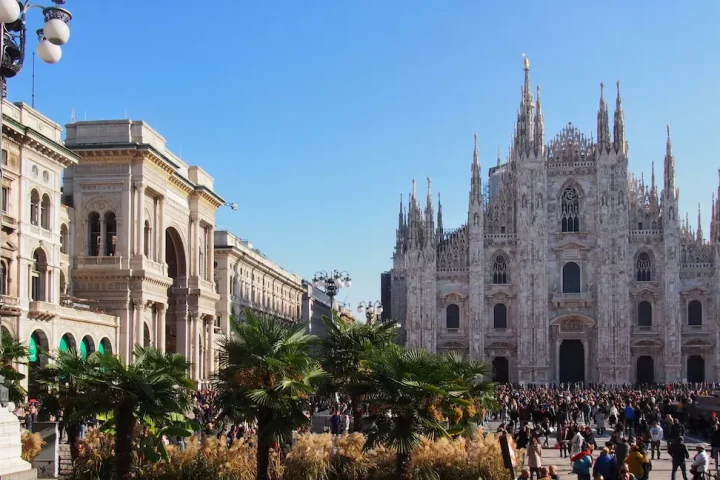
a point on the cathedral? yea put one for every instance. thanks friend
(569, 267)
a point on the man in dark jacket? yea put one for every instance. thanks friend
(622, 449)
(679, 453)
(715, 445)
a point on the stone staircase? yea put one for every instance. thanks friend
(65, 466)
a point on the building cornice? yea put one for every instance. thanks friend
(29, 137)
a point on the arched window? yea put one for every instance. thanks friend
(644, 314)
(500, 316)
(3, 278)
(570, 210)
(34, 207)
(571, 278)
(695, 313)
(452, 316)
(63, 238)
(94, 234)
(643, 268)
(110, 234)
(45, 212)
(38, 275)
(148, 236)
(500, 270)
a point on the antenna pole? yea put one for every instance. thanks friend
(33, 81)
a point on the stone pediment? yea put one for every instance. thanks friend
(647, 343)
(9, 246)
(499, 294)
(645, 293)
(572, 322)
(694, 292)
(501, 346)
(571, 245)
(454, 345)
(454, 297)
(697, 342)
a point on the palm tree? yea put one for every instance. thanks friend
(345, 348)
(152, 389)
(12, 353)
(267, 370)
(411, 393)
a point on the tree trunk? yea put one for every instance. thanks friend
(402, 466)
(264, 440)
(357, 412)
(124, 426)
(73, 433)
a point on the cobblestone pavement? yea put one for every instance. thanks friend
(661, 469)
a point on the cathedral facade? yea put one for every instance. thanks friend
(569, 268)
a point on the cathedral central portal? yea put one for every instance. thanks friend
(572, 361)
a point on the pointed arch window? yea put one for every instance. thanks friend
(643, 268)
(500, 270)
(570, 210)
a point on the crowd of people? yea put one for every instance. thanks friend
(636, 420)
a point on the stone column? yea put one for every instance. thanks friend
(140, 232)
(103, 234)
(154, 232)
(139, 323)
(161, 228)
(195, 252)
(161, 312)
(210, 348)
(195, 345)
(210, 242)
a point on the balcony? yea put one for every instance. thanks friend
(9, 222)
(572, 300)
(644, 330)
(695, 330)
(71, 309)
(102, 263)
(148, 265)
(9, 306)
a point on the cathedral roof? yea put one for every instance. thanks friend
(570, 145)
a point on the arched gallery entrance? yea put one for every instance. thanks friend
(645, 370)
(572, 361)
(500, 370)
(176, 319)
(38, 348)
(87, 346)
(695, 369)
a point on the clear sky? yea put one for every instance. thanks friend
(315, 116)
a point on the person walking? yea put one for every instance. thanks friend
(678, 453)
(605, 465)
(600, 421)
(534, 458)
(700, 463)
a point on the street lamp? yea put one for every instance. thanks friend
(372, 310)
(332, 282)
(13, 33)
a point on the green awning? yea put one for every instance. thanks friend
(32, 350)
(101, 347)
(63, 344)
(84, 349)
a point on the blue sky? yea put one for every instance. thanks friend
(315, 116)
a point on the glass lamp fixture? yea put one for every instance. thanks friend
(56, 26)
(48, 51)
(9, 11)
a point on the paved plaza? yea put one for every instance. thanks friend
(661, 469)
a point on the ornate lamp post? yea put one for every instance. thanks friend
(332, 283)
(372, 310)
(13, 33)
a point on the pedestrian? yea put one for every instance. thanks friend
(622, 450)
(656, 436)
(600, 421)
(700, 463)
(636, 461)
(605, 465)
(715, 445)
(335, 423)
(581, 467)
(678, 453)
(534, 458)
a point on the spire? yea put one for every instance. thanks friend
(428, 205)
(475, 181)
(713, 227)
(669, 166)
(699, 227)
(429, 217)
(603, 125)
(539, 126)
(498, 156)
(524, 137)
(619, 124)
(439, 220)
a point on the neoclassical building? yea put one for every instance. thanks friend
(36, 253)
(247, 279)
(143, 236)
(569, 267)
